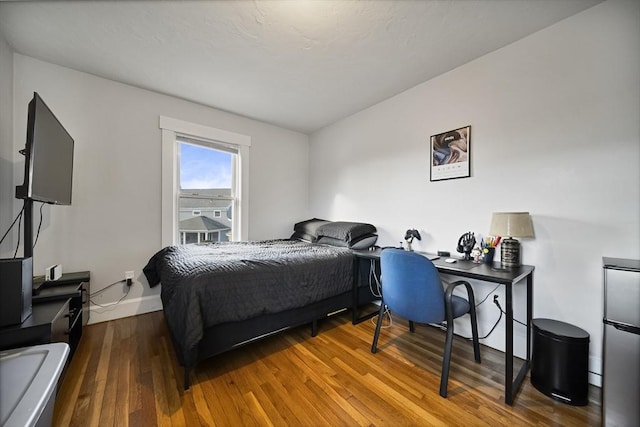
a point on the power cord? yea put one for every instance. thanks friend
(495, 301)
(107, 287)
(19, 219)
(487, 296)
(377, 292)
(388, 314)
(39, 225)
(127, 281)
(12, 224)
(115, 303)
(15, 254)
(443, 325)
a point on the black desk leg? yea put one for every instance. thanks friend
(512, 386)
(529, 314)
(354, 291)
(354, 307)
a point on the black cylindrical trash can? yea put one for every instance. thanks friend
(560, 361)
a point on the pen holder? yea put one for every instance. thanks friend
(487, 255)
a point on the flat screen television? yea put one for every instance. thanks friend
(48, 169)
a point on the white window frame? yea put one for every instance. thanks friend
(172, 129)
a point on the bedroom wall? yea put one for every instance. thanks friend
(114, 223)
(6, 148)
(555, 132)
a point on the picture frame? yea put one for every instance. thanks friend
(451, 154)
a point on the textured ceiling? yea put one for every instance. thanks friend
(297, 64)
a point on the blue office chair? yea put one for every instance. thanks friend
(412, 289)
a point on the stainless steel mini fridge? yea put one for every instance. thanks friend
(621, 355)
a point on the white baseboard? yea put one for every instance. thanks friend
(126, 308)
(595, 371)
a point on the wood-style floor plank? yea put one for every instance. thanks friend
(125, 373)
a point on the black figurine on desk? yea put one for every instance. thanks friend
(466, 243)
(409, 235)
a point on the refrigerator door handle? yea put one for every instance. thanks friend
(624, 327)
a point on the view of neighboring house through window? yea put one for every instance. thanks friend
(207, 191)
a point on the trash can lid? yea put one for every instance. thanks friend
(560, 330)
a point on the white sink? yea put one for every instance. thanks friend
(28, 381)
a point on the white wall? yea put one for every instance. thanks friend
(555, 132)
(114, 222)
(6, 148)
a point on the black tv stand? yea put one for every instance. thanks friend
(60, 310)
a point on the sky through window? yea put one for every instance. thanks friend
(202, 167)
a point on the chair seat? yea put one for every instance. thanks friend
(460, 306)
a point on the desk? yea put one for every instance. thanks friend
(487, 273)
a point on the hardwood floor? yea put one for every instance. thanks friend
(125, 373)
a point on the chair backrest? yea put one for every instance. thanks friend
(411, 286)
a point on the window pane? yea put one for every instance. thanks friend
(206, 193)
(205, 168)
(191, 238)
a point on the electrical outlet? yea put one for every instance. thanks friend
(128, 274)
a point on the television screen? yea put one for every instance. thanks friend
(49, 157)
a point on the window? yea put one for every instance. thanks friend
(206, 173)
(205, 182)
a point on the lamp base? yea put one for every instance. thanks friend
(510, 253)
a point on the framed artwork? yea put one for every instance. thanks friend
(451, 155)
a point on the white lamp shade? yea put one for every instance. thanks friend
(511, 224)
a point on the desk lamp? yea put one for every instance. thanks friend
(511, 224)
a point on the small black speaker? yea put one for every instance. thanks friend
(16, 286)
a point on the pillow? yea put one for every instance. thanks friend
(362, 242)
(309, 227)
(345, 231)
(330, 241)
(304, 237)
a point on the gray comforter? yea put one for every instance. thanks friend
(205, 285)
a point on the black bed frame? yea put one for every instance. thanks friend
(228, 336)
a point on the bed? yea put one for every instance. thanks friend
(219, 296)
